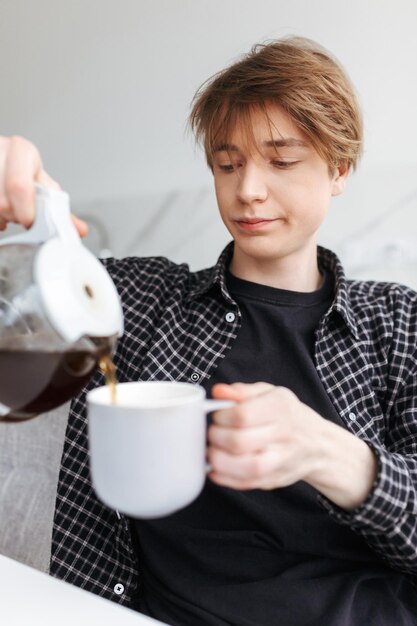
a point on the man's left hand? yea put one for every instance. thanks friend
(271, 439)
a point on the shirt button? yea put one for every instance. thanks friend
(195, 377)
(230, 317)
(352, 416)
(119, 589)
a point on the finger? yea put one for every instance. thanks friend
(242, 484)
(234, 483)
(47, 181)
(239, 391)
(236, 392)
(247, 469)
(3, 223)
(241, 441)
(256, 411)
(22, 168)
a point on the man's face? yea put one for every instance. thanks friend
(274, 198)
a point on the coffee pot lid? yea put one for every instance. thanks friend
(78, 296)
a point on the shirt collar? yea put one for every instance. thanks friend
(216, 276)
(341, 303)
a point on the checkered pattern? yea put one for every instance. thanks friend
(176, 329)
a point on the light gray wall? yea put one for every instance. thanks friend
(103, 87)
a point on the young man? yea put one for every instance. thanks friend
(309, 513)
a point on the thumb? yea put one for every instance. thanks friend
(239, 391)
(80, 225)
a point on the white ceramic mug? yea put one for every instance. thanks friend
(148, 452)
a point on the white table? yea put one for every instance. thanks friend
(29, 597)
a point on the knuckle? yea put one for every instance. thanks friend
(19, 141)
(241, 416)
(248, 484)
(285, 394)
(257, 466)
(261, 387)
(16, 187)
(21, 144)
(212, 457)
(211, 432)
(210, 453)
(237, 445)
(20, 197)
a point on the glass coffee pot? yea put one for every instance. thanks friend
(60, 313)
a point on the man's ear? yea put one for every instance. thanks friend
(339, 179)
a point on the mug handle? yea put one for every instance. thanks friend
(216, 405)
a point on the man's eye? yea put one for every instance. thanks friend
(283, 164)
(228, 167)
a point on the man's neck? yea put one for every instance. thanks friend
(296, 272)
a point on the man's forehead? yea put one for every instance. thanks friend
(257, 129)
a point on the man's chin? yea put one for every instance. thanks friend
(260, 248)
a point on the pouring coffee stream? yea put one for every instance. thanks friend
(109, 371)
(60, 314)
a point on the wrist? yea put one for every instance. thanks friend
(345, 468)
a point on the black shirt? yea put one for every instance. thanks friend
(264, 558)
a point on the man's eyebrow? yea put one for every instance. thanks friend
(284, 142)
(226, 147)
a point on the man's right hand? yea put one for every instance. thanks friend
(20, 168)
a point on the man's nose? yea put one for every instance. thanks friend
(252, 186)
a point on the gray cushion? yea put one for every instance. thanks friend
(30, 455)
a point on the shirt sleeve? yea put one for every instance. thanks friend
(387, 519)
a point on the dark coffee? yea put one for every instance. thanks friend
(35, 381)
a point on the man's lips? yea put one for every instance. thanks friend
(254, 220)
(254, 223)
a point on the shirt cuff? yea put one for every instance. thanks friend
(391, 495)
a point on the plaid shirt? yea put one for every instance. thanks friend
(178, 326)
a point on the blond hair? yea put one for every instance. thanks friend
(296, 74)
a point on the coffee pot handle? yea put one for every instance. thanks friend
(52, 219)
